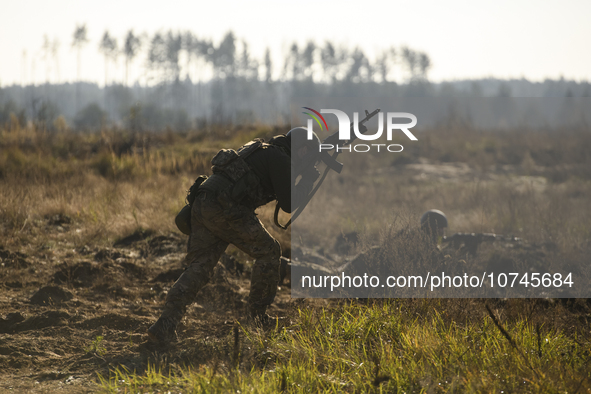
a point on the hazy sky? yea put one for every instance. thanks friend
(464, 38)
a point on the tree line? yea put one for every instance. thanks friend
(171, 55)
(192, 82)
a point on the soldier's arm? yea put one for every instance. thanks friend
(279, 167)
(304, 186)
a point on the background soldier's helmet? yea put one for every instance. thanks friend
(433, 220)
(298, 138)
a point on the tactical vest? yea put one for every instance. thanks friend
(232, 176)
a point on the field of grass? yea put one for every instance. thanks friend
(387, 346)
(68, 199)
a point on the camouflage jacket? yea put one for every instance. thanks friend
(263, 175)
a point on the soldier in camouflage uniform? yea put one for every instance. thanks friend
(433, 222)
(223, 213)
(424, 247)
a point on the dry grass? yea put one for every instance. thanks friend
(532, 185)
(502, 190)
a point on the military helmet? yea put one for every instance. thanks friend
(298, 138)
(433, 219)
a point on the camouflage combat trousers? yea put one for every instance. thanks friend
(215, 223)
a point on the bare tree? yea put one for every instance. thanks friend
(163, 55)
(384, 63)
(224, 57)
(80, 40)
(131, 48)
(308, 59)
(55, 46)
(203, 50)
(174, 44)
(330, 59)
(292, 67)
(417, 63)
(157, 53)
(359, 68)
(24, 68)
(424, 64)
(46, 56)
(247, 67)
(268, 66)
(108, 47)
(189, 44)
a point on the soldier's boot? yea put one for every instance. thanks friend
(164, 330)
(260, 318)
(263, 288)
(181, 295)
(258, 301)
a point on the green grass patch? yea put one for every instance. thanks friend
(386, 346)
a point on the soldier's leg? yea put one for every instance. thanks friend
(241, 227)
(204, 251)
(263, 282)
